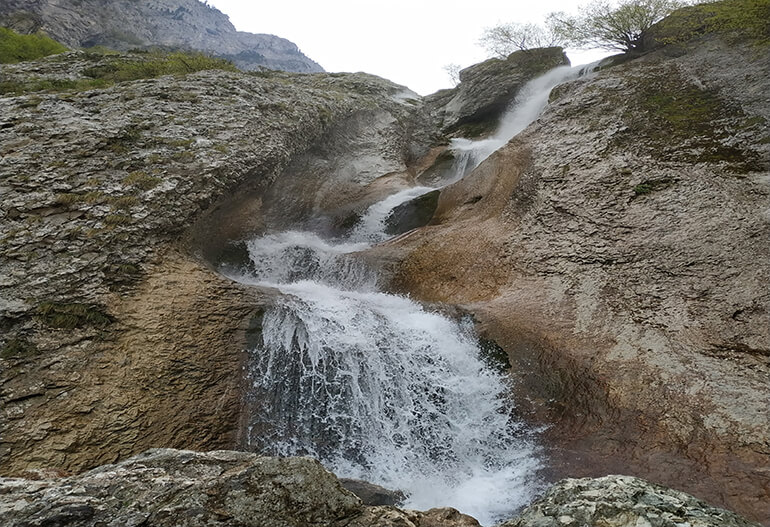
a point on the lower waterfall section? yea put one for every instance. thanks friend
(382, 390)
(375, 385)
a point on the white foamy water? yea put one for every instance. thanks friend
(371, 226)
(375, 385)
(526, 108)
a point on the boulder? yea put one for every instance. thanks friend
(178, 488)
(621, 501)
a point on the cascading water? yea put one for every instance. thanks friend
(528, 105)
(376, 386)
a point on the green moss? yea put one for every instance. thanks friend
(651, 185)
(141, 180)
(71, 316)
(735, 19)
(686, 122)
(17, 347)
(19, 48)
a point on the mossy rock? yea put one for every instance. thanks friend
(72, 316)
(734, 20)
(682, 121)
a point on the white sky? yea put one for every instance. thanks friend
(406, 41)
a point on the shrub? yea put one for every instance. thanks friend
(71, 316)
(18, 48)
(156, 64)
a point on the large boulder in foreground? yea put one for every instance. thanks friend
(181, 488)
(621, 501)
(178, 488)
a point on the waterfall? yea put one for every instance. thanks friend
(377, 386)
(526, 107)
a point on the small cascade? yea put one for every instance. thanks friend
(375, 385)
(528, 105)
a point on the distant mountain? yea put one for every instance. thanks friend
(129, 24)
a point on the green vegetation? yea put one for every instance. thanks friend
(18, 48)
(123, 202)
(740, 19)
(113, 220)
(141, 180)
(155, 64)
(613, 26)
(17, 347)
(687, 122)
(115, 68)
(71, 316)
(50, 85)
(652, 185)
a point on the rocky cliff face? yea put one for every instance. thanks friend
(115, 336)
(618, 250)
(125, 24)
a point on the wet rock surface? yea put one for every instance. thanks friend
(127, 25)
(617, 250)
(487, 89)
(164, 487)
(116, 335)
(621, 501)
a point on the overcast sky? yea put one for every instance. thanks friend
(406, 41)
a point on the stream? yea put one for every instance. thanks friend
(378, 386)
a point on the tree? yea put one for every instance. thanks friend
(612, 26)
(502, 40)
(453, 70)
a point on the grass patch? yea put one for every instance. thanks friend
(71, 316)
(737, 19)
(155, 64)
(141, 180)
(113, 220)
(50, 86)
(651, 185)
(19, 48)
(123, 202)
(17, 347)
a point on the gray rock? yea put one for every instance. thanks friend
(488, 88)
(177, 488)
(125, 25)
(371, 494)
(621, 501)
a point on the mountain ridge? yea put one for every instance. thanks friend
(186, 24)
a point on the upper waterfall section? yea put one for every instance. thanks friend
(487, 89)
(125, 25)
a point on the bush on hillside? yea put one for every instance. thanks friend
(19, 48)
